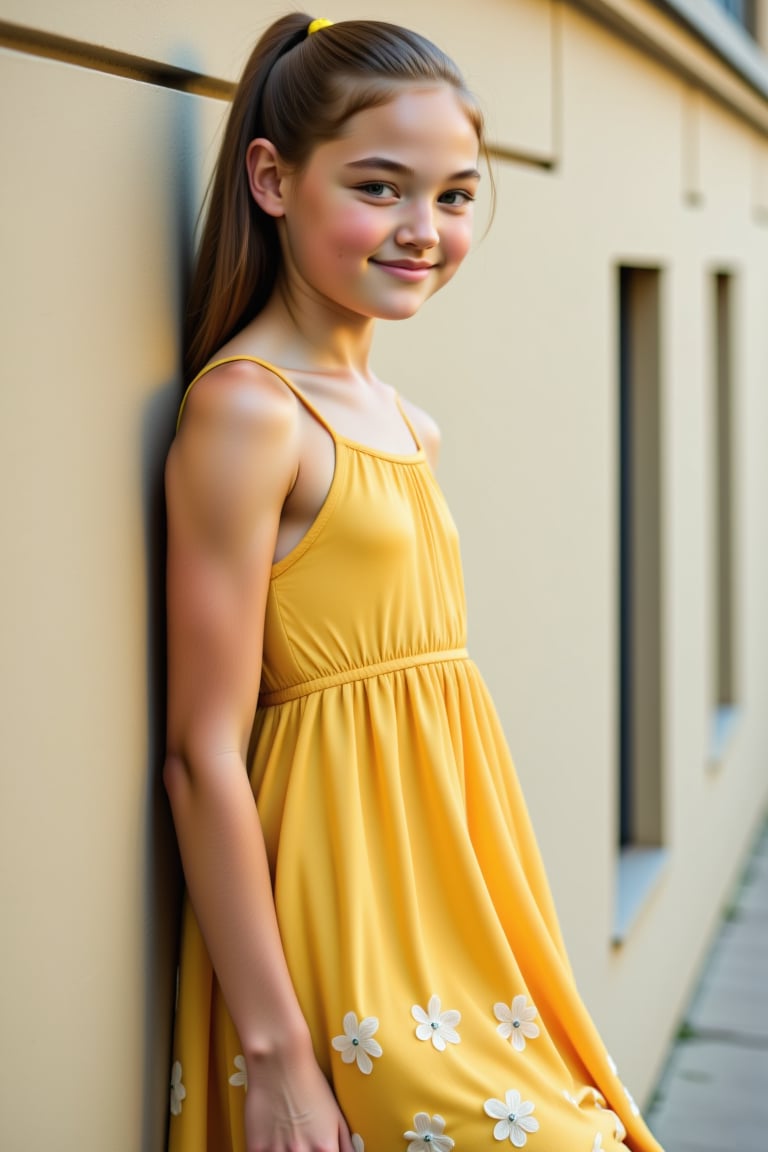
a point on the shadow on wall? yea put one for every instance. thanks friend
(163, 885)
(162, 871)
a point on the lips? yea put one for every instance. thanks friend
(412, 270)
(414, 265)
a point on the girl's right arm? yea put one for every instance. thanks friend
(228, 473)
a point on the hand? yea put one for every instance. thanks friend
(289, 1107)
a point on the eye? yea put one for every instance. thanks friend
(378, 189)
(456, 198)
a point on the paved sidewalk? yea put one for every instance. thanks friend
(713, 1094)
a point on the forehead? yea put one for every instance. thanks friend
(417, 121)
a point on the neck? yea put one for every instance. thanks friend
(300, 332)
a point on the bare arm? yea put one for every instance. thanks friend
(228, 473)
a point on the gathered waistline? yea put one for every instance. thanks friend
(307, 687)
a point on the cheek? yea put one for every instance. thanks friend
(457, 240)
(350, 230)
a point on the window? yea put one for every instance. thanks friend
(722, 623)
(640, 590)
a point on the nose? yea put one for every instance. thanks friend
(418, 229)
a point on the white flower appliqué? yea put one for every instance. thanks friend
(437, 1026)
(178, 1091)
(619, 1130)
(357, 1044)
(516, 1022)
(429, 1134)
(597, 1098)
(632, 1104)
(239, 1079)
(513, 1116)
(357, 1142)
(627, 1093)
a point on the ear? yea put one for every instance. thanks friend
(265, 173)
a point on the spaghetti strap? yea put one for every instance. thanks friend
(408, 423)
(281, 376)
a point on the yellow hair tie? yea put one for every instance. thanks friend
(316, 25)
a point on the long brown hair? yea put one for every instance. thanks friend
(297, 90)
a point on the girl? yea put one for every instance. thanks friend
(370, 958)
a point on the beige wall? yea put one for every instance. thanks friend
(611, 155)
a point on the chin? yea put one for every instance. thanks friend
(399, 313)
(400, 309)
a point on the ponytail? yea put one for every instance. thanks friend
(239, 252)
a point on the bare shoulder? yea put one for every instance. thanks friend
(237, 446)
(426, 427)
(242, 395)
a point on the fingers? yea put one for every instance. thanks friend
(345, 1140)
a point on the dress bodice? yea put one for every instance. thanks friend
(361, 590)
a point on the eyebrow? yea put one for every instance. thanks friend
(382, 163)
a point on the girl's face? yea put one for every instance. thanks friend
(380, 218)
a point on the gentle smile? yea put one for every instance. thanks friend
(405, 269)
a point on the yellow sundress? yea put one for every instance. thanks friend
(414, 911)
